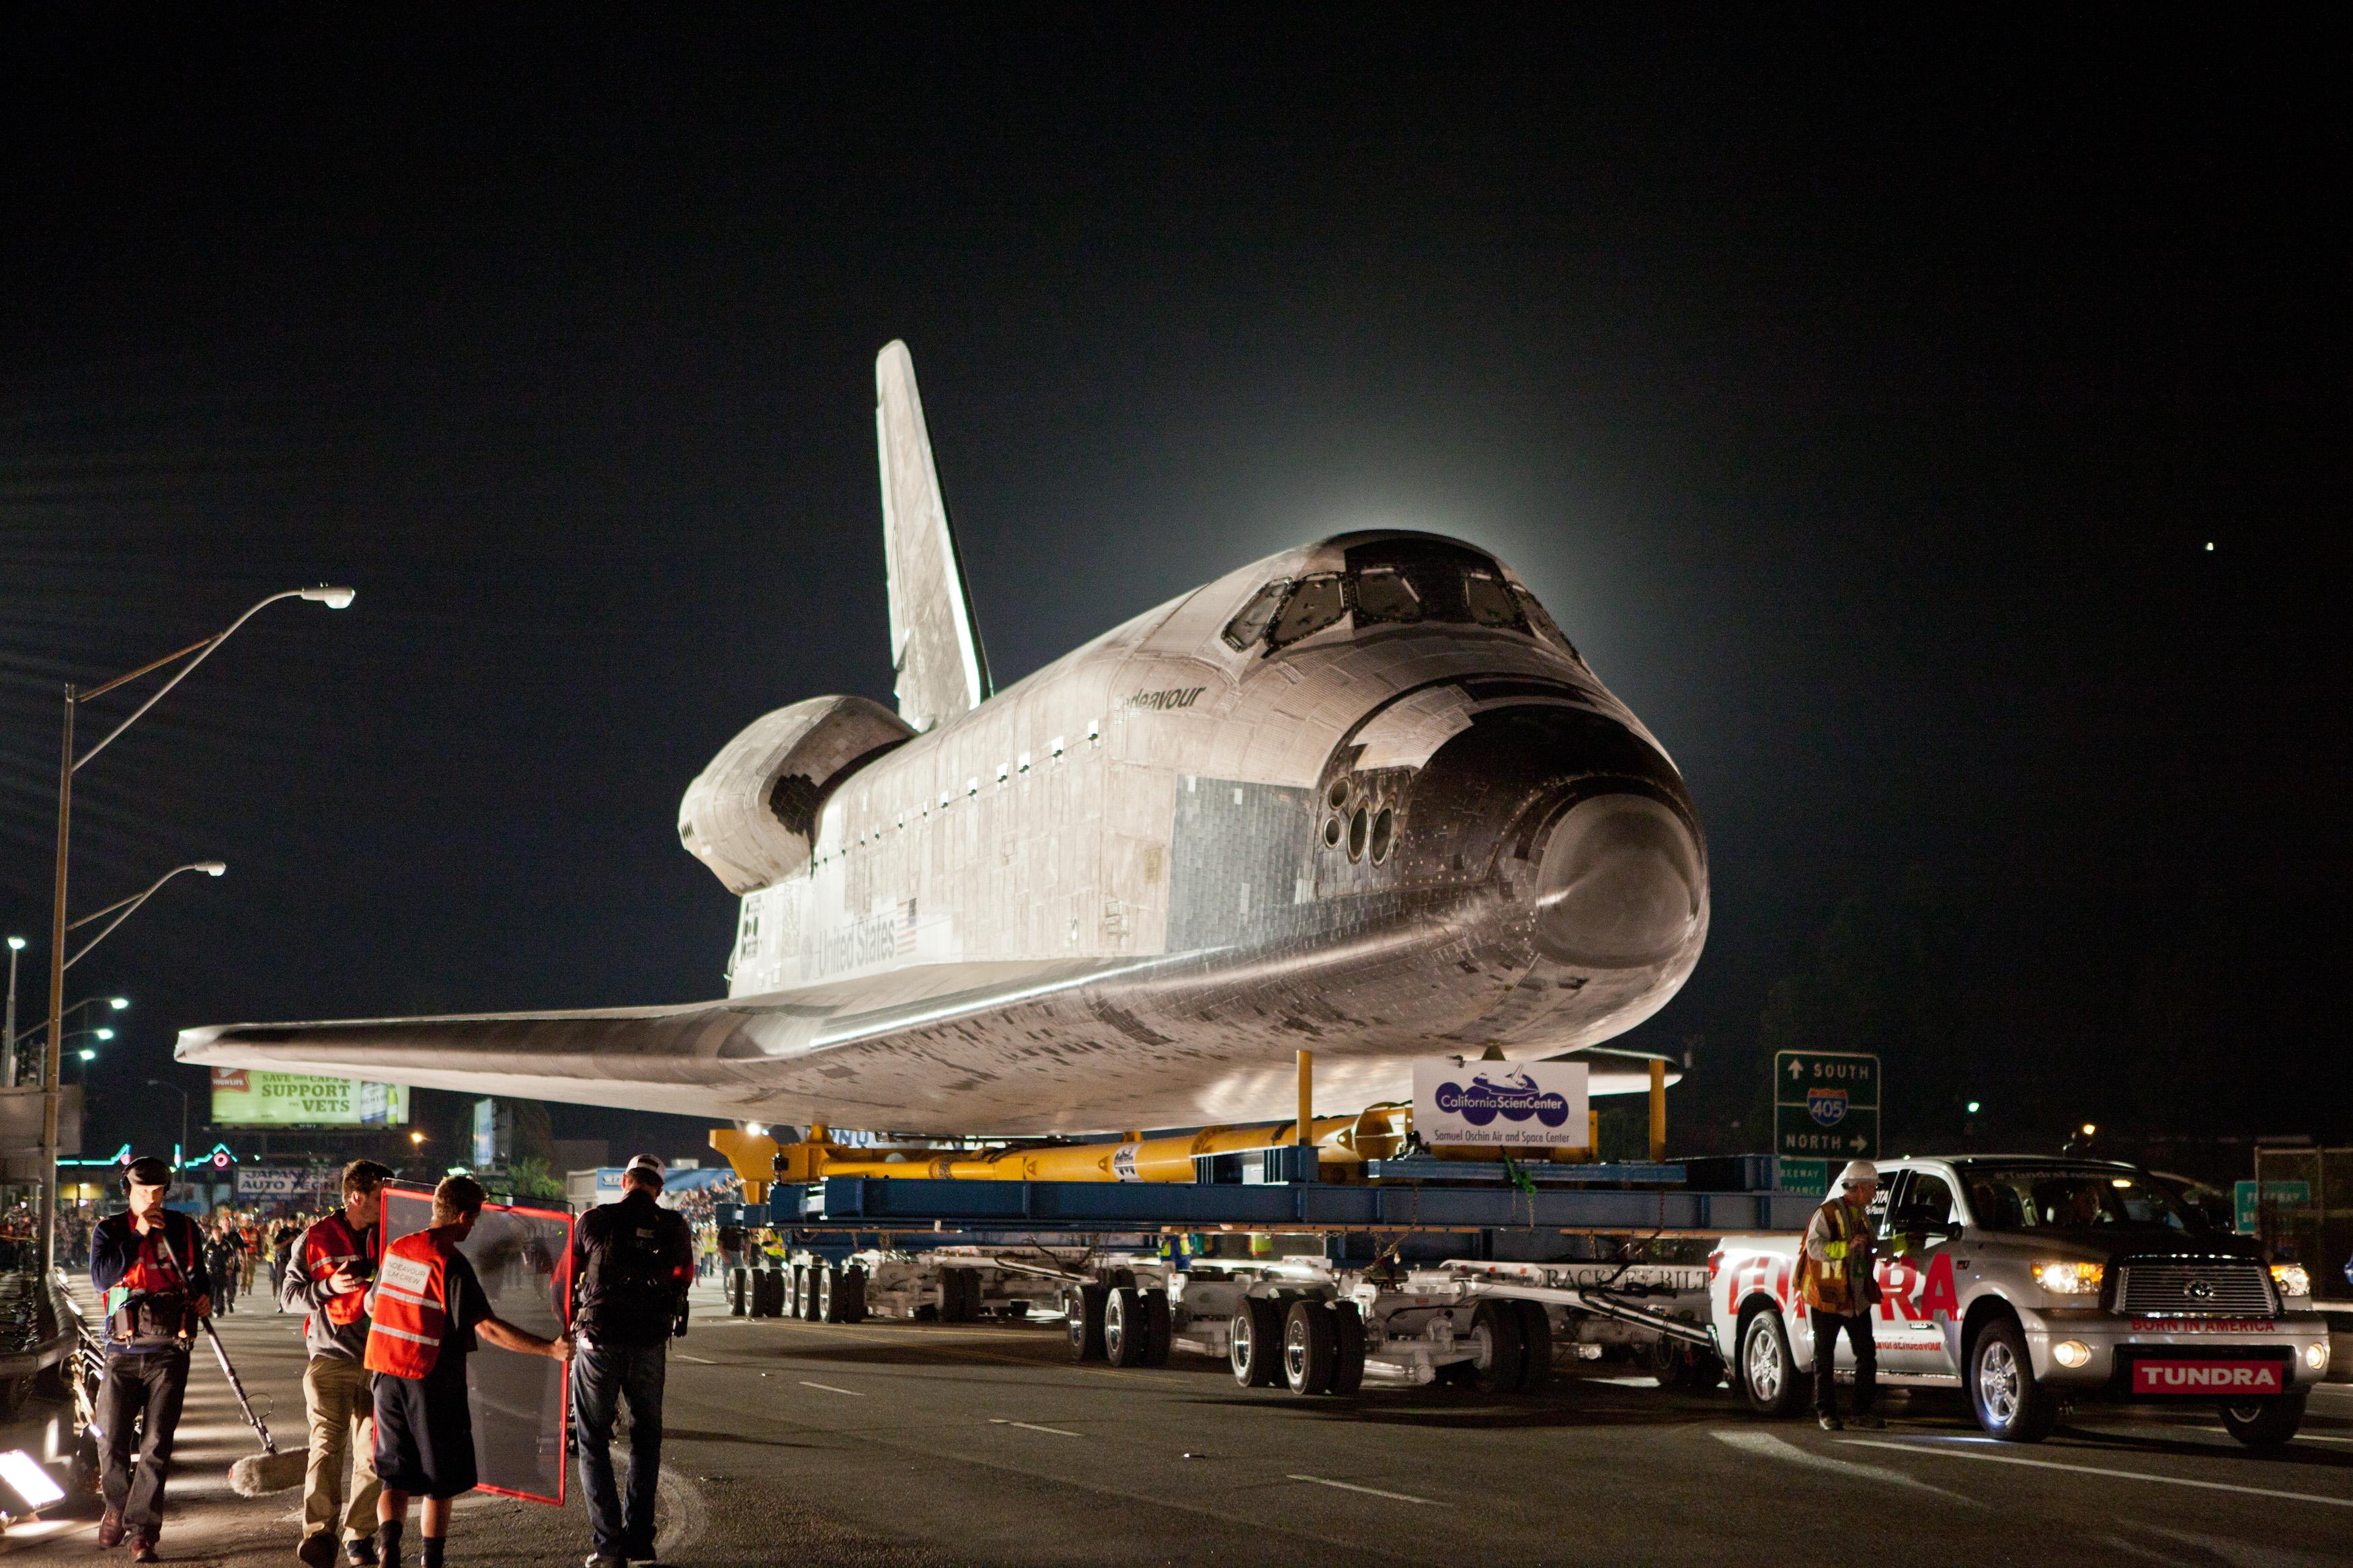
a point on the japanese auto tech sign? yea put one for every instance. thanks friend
(2206, 1377)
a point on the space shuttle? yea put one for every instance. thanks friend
(1361, 797)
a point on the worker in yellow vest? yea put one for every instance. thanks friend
(1836, 1279)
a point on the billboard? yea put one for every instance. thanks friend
(1511, 1105)
(246, 1098)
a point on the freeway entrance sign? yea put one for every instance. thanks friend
(2283, 1197)
(1826, 1104)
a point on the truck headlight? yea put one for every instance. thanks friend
(2070, 1278)
(2291, 1278)
(2315, 1356)
(2070, 1354)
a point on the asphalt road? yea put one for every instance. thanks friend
(904, 1444)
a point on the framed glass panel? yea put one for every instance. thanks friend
(1490, 601)
(1314, 604)
(1383, 595)
(1250, 625)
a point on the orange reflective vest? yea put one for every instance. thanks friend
(1829, 1287)
(409, 1308)
(332, 1244)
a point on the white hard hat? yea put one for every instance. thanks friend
(1858, 1172)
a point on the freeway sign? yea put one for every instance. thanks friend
(1804, 1176)
(2283, 1196)
(1826, 1104)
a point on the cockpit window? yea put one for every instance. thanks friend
(1314, 604)
(1246, 628)
(1287, 610)
(1490, 601)
(1546, 627)
(1383, 594)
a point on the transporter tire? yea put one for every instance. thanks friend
(1083, 1305)
(1310, 1347)
(1348, 1357)
(2266, 1423)
(813, 1291)
(1498, 1368)
(1161, 1333)
(1535, 1348)
(1254, 1342)
(1126, 1333)
(1769, 1376)
(972, 1295)
(791, 1305)
(772, 1292)
(841, 1294)
(953, 1300)
(738, 1289)
(2003, 1393)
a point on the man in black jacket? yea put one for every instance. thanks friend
(630, 1264)
(148, 1270)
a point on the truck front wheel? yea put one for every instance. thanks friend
(2266, 1423)
(2009, 1404)
(1768, 1373)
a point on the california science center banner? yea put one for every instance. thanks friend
(1510, 1105)
(245, 1098)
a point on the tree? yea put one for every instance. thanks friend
(533, 1180)
(1884, 976)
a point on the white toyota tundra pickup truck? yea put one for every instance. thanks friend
(2042, 1283)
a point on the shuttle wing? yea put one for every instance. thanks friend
(870, 1052)
(935, 647)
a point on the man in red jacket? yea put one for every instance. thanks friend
(155, 1288)
(327, 1276)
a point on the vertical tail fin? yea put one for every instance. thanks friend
(935, 647)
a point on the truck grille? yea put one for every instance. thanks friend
(2194, 1288)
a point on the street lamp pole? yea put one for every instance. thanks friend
(16, 946)
(53, 1058)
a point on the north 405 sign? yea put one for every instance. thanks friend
(1826, 1104)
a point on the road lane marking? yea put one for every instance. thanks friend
(1368, 1492)
(2100, 1470)
(2300, 1436)
(699, 1361)
(830, 1388)
(1030, 1427)
(1771, 1447)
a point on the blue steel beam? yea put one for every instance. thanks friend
(870, 1204)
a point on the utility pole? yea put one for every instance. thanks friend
(16, 946)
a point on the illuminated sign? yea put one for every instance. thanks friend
(244, 1098)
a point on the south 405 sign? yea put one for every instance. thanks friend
(1826, 1104)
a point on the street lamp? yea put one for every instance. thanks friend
(116, 1002)
(187, 658)
(130, 907)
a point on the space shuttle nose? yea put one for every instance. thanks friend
(1621, 884)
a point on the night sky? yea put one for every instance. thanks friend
(1864, 403)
